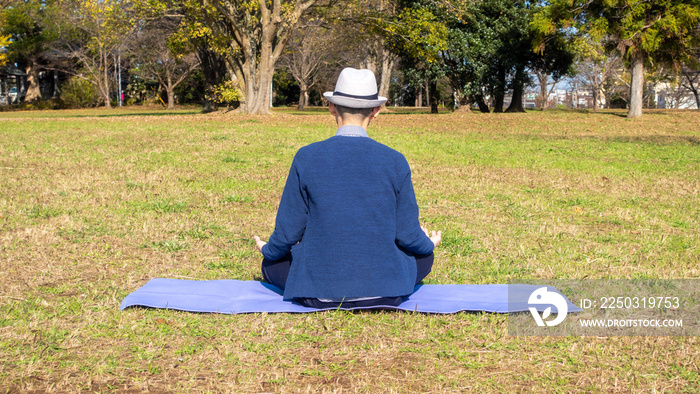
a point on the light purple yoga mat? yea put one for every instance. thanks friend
(235, 296)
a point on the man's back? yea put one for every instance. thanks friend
(358, 205)
(347, 226)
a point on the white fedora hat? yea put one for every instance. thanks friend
(356, 89)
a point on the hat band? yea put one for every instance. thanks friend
(370, 97)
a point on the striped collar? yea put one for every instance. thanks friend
(351, 131)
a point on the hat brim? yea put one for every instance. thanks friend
(351, 102)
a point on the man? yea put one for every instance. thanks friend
(347, 231)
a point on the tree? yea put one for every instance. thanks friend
(259, 31)
(643, 31)
(204, 30)
(24, 23)
(419, 36)
(553, 63)
(595, 68)
(89, 33)
(4, 41)
(499, 29)
(370, 40)
(497, 51)
(164, 53)
(690, 80)
(690, 74)
(309, 48)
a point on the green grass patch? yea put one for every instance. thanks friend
(94, 203)
(164, 206)
(168, 245)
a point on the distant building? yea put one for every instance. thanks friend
(670, 96)
(13, 82)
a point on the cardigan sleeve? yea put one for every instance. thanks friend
(409, 234)
(291, 216)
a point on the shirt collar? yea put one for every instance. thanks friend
(351, 131)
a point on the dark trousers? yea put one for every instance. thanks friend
(276, 272)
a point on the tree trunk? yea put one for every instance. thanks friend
(597, 91)
(170, 91)
(427, 92)
(691, 85)
(33, 90)
(214, 71)
(419, 98)
(542, 78)
(303, 96)
(258, 73)
(105, 89)
(433, 97)
(462, 103)
(500, 91)
(483, 107)
(257, 100)
(636, 85)
(595, 99)
(388, 61)
(516, 103)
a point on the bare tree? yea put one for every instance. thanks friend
(310, 47)
(595, 73)
(690, 80)
(544, 81)
(163, 55)
(89, 32)
(381, 61)
(346, 35)
(597, 69)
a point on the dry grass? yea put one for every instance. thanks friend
(95, 203)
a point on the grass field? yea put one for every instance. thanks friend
(95, 203)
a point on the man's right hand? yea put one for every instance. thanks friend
(259, 243)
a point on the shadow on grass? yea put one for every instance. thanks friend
(387, 111)
(136, 113)
(98, 113)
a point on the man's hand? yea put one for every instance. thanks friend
(260, 243)
(436, 237)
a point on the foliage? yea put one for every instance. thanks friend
(663, 30)
(90, 33)
(228, 93)
(286, 88)
(420, 36)
(79, 93)
(643, 32)
(23, 23)
(483, 47)
(251, 36)
(162, 55)
(4, 41)
(191, 90)
(418, 33)
(26, 23)
(136, 91)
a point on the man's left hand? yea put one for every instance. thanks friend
(435, 237)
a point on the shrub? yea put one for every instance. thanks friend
(79, 93)
(228, 93)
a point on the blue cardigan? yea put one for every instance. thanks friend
(349, 215)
